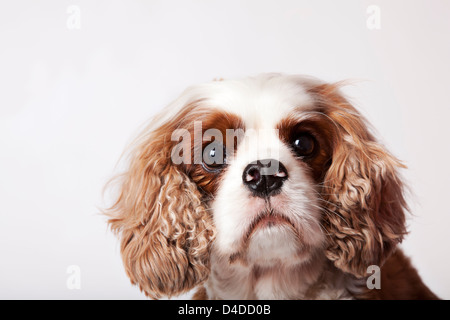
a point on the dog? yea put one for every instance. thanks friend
(267, 187)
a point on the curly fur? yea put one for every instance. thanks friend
(163, 213)
(364, 189)
(164, 227)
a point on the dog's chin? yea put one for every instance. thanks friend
(275, 243)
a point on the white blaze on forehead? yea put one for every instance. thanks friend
(261, 102)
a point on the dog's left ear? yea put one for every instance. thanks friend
(165, 229)
(364, 193)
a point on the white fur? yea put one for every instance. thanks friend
(289, 263)
(279, 262)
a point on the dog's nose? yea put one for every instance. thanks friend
(264, 177)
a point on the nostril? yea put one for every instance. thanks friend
(280, 174)
(253, 175)
(273, 183)
(264, 177)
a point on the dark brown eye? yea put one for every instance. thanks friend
(304, 144)
(214, 158)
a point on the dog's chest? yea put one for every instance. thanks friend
(278, 284)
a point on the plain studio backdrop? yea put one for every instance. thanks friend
(78, 78)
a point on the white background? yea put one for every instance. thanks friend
(71, 100)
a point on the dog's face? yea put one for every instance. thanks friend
(261, 173)
(267, 170)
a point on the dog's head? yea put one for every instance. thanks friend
(268, 170)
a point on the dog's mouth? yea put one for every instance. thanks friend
(265, 222)
(268, 219)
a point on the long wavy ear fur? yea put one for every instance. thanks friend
(164, 228)
(362, 188)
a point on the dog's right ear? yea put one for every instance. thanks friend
(362, 188)
(164, 228)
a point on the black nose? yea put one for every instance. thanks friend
(264, 177)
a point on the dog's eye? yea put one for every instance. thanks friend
(304, 144)
(214, 157)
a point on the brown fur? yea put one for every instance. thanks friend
(164, 227)
(321, 129)
(166, 230)
(399, 281)
(208, 182)
(200, 294)
(362, 188)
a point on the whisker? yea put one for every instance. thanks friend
(331, 213)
